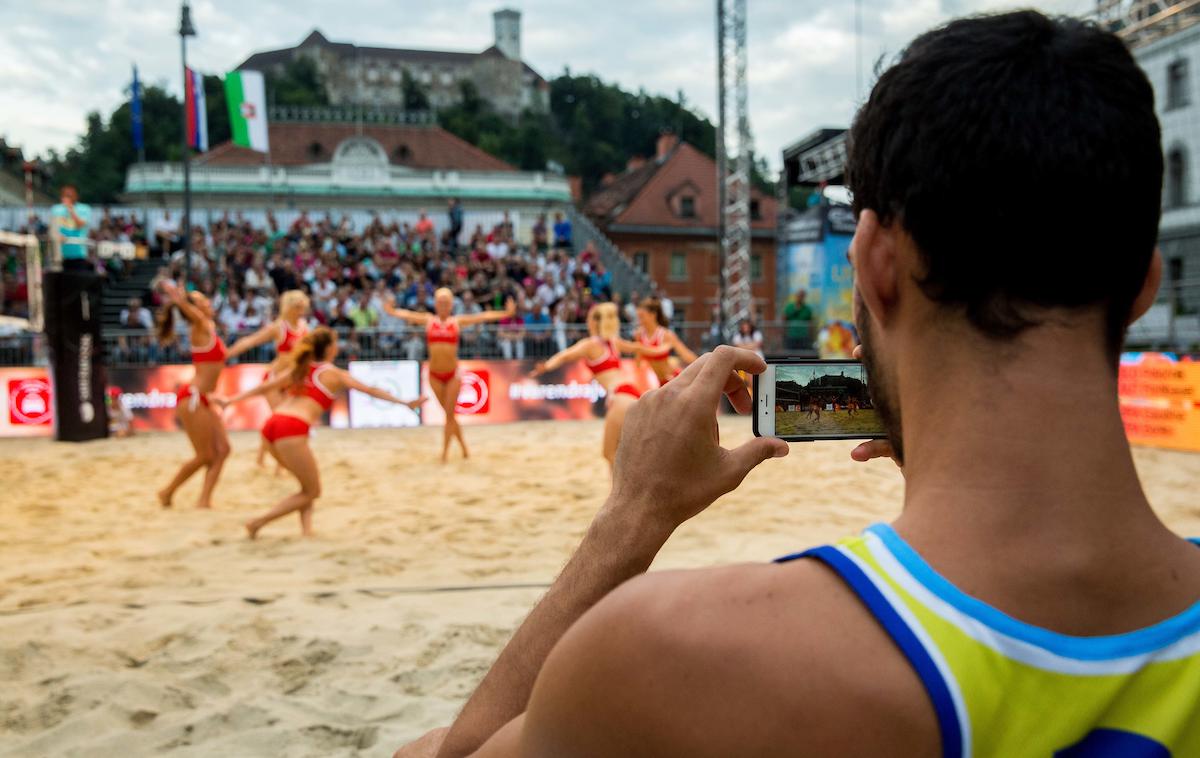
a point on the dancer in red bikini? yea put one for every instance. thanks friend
(286, 332)
(601, 352)
(201, 422)
(310, 382)
(441, 334)
(659, 341)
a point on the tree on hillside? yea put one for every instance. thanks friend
(299, 83)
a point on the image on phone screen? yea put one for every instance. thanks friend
(813, 400)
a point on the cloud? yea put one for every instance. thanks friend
(60, 60)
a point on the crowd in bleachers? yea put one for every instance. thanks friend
(349, 273)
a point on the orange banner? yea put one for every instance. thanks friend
(1160, 400)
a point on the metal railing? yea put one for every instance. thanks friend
(626, 276)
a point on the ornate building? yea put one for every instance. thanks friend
(373, 76)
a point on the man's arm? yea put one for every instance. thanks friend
(652, 494)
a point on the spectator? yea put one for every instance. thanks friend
(136, 316)
(540, 236)
(539, 326)
(424, 227)
(361, 314)
(748, 337)
(69, 230)
(668, 305)
(166, 235)
(562, 232)
(600, 281)
(511, 335)
(798, 316)
(455, 215)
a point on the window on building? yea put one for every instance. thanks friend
(1174, 270)
(447, 78)
(679, 265)
(1177, 178)
(755, 210)
(315, 150)
(756, 268)
(402, 153)
(372, 74)
(687, 206)
(641, 261)
(1178, 84)
(426, 76)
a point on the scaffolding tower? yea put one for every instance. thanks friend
(1140, 22)
(734, 148)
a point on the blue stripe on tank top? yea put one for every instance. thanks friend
(1138, 642)
(904, 637)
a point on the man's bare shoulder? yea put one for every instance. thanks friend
(740, 660)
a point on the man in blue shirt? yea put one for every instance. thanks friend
(562, 231)
(69, 227)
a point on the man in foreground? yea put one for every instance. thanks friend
(1007, 174)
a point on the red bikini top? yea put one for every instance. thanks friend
(607, 362)
(654, 340)
(290, 337)
(314, 389)
(213, 353)
(446, 331)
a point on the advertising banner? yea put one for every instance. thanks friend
(813, 258)
(495, 392)
(492, 392)
(28, 403)
(401, 378)
(73, 304)
(1160, 400)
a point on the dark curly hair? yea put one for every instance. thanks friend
(1022, 153)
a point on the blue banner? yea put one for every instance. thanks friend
(135, 111)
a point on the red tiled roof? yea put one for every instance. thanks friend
(420, 147)
(644, 196)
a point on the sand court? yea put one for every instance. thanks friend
(125, 629)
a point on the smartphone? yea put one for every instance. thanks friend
(800, 400)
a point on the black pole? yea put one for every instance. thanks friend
(186, 30)
(187, 172)
(722, 165)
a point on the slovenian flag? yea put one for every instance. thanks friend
(245, 94)
(194, 110)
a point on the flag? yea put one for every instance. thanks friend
(247, 100)
(135, 111)
(193, 109)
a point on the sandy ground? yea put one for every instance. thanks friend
(129, 630)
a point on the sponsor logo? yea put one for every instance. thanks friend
(591, 391)
(474, 396)
(137, 401)
(29, 402)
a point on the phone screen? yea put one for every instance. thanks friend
(815, 400)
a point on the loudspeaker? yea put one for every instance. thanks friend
(77, 372)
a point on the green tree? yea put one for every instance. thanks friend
(414, 94)
(299, 83)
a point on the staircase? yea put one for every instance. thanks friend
(116, 294)
(626, 277)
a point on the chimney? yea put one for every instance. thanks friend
(506, 24)
(634, 163)
(666, 143)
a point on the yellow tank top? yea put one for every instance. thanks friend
(1001, 687)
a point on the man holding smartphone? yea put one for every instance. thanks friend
(1028, 601)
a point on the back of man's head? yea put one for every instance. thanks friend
(1022, 154)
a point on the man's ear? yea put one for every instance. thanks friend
(873, 252)
(1149, 291)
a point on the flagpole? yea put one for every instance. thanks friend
(186, 30)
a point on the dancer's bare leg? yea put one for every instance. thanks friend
(441, 394)
(220, 451)
(614, 419)
(273, 399)
(453, 428)
(296, 457)
(200, 436)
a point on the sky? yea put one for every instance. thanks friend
(807, 67)
(805, 373)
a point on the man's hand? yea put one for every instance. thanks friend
(670, 463)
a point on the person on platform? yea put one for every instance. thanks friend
(193, 408)
(601, 352)
(69, 221)
(654, 334)
(798, 317)
(310, 382)
(442, 332)
(1027, 601)
(285, 332)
